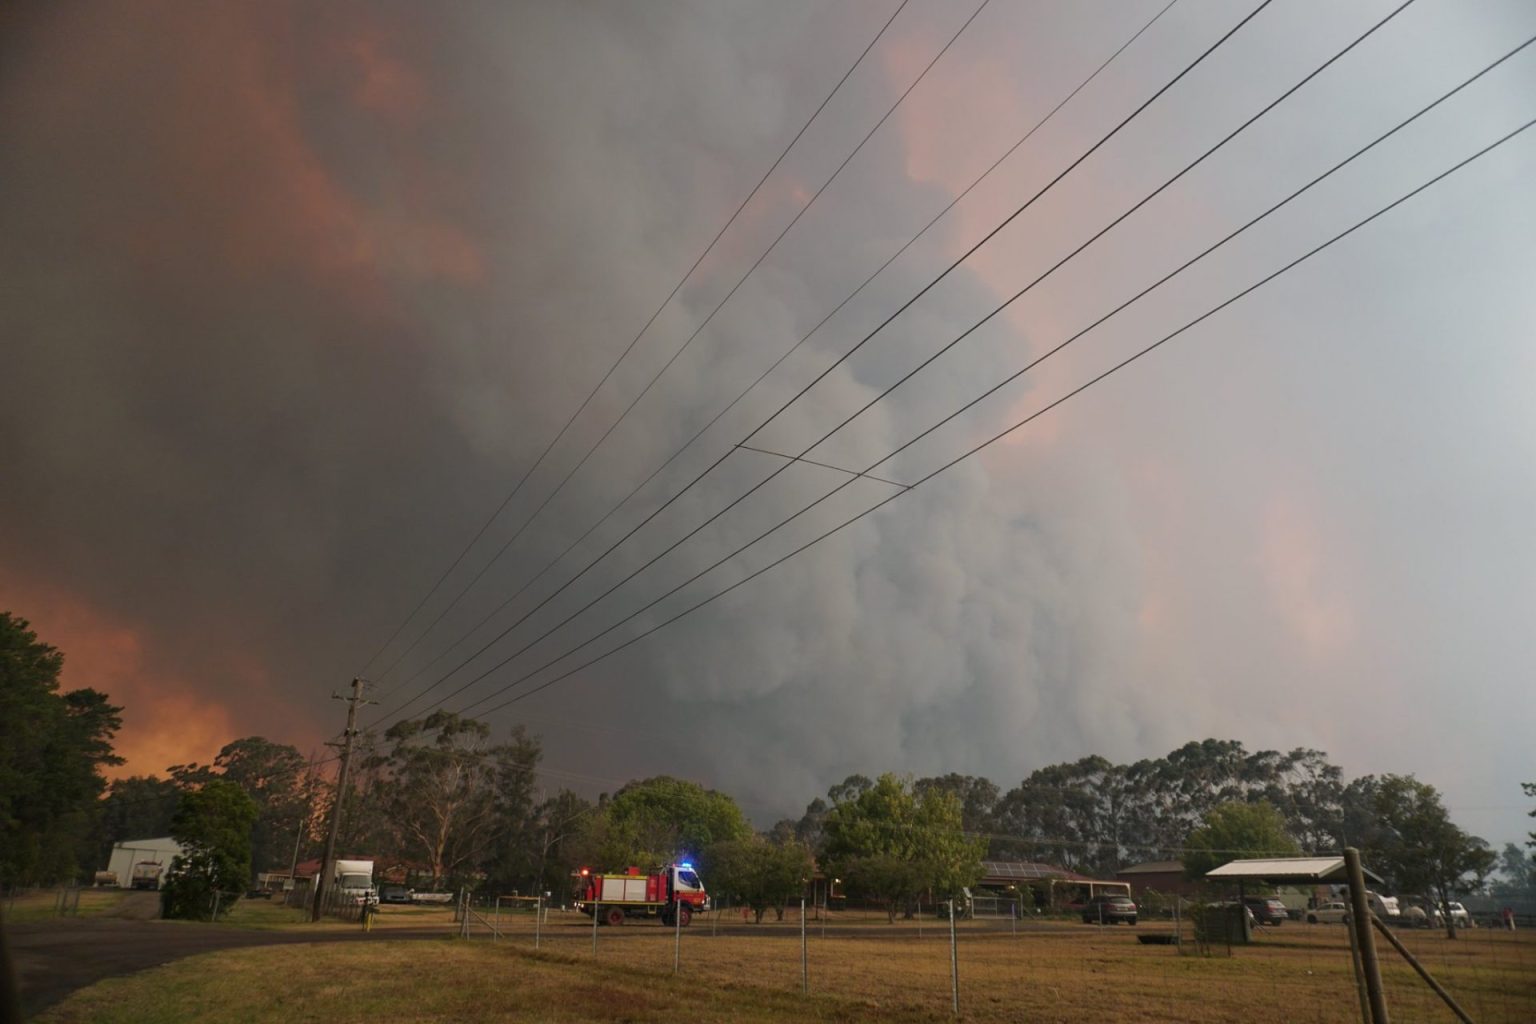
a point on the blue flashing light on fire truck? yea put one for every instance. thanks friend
(673, 893)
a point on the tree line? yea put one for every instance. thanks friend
(453, 803)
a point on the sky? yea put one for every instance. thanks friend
(294, 295)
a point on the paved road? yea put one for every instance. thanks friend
(54, 958)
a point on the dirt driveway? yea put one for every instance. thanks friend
(53, 958)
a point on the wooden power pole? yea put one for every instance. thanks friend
(328, 864)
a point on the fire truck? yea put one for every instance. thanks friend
(674, 893)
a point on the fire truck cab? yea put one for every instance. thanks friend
(673, 893)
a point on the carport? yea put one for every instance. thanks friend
(1288, 871)
(1294, 871)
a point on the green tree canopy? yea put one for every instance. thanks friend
(136, 807)
(213, 825)
(1236, 830)
(52, 748)
(451, 795)
(872, 830)
(757, 872)
(274, 776)
(1518, 870)
(537, 852)
(1422, 850)
(658, 820)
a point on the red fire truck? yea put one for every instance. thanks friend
(673, 890)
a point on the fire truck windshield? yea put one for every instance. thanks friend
(688, 878)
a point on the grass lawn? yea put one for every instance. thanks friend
(42, 905)
(270, 915)
(1064, 974)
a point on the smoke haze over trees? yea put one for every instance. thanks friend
(446, 799)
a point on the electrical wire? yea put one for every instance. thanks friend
(966, 255)
(970, 452)
(770, 369)
(560, 487)
(612, 368)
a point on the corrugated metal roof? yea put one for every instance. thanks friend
(1281, 870)
(1153, 867)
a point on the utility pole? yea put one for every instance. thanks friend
(298, 832)
(328, 864)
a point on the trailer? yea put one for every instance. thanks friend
(673, 893)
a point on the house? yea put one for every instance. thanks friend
(1044, 886)
(1160, 876)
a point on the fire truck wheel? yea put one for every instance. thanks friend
(614, 916)
(684, 915)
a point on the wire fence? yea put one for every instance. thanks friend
(1181, 961)
(1000, 959)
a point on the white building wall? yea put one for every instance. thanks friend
(131, 851)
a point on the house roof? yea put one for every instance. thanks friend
(1288, 871)
(157, 842)
(1026, 870)
(1154, 867)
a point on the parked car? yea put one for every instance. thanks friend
(1266, 909)
(394, 894)
(1103, 909)
(1329, 913)
(1421, 913)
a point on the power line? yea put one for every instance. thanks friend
(719, 306)
(970, 452)
(963, 257)
(612, 368)
(697, 331)
(770, 369)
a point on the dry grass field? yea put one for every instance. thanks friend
(860, 971)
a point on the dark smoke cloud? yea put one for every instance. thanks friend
(292, 295)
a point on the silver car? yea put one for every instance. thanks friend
(1329, 913)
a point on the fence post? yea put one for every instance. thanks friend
(597, 908)
(1360, 921)
(805, 961)
(1354, 960)
(538, 915)
(1178, 926)
(677, 935)
(954, 961)
(1429, 979)
(216, 895)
